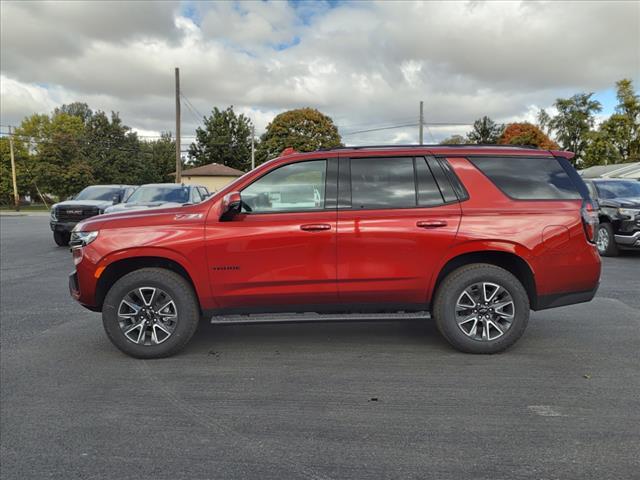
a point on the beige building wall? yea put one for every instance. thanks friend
(212, 183)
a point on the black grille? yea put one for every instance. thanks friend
(68, 214)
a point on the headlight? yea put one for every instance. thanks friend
(54, 217)
(629, 212)
(82, 239)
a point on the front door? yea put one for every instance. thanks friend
(280, 251)
(392, 229)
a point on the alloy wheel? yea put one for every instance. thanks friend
(485, 311)
(147, 316)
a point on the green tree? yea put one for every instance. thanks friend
(24, 178)
(225, 139)
(76, 109)
(600, 150)
(159, 158)
(304, 129)
(485, 131)
(454, 140)
(575, 119)
(55, 152)
(112, 149)
(542, 121)
(623, 127)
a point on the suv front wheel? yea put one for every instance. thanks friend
(61, 238)
(150, 313)
(481, 308)
(606, 240)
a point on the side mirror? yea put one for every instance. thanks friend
(115, 199)
(231, 205)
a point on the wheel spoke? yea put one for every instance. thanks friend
(142, 290)
(138, 326)
(474, 329)
(495, 326)
(466, 296)
(161, 310)
(499, 309)
(136, 308)
(468, 319)
(489, 291)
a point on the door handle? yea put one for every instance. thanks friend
(431, 223)
(315, 227)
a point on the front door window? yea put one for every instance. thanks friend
(291, 188)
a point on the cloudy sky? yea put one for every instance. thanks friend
(366, 64)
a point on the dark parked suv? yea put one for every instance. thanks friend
(475, 236)
(91, 201)
(619, 214)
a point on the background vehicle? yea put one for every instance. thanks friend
(477, 236)
(157, 195)
(619, 214)
(91, 201)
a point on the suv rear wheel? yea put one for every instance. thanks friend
(481, 308)
(150, 313)
(61, 238)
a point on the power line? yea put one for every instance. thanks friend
(379, 129)
(190, 107)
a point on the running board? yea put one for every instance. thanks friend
(316, 317)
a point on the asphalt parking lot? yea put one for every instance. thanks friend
(319, 401)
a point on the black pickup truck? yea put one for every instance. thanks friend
(91, 201)
(619, 212)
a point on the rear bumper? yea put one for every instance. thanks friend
(566, 298)
(629, 241)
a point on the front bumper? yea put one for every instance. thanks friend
(629, 241)
(62, 226)
(74, 287)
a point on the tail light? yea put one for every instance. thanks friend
(589, 220)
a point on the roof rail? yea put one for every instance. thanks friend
(430, 145)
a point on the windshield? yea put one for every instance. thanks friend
(175, 194)
(98, 193)
(618, 189)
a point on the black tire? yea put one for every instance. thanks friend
(62, 238)
(607, 246)
(188, 311)
(451, 289)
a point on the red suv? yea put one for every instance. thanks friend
(475, 236)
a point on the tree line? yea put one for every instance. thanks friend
(573, 128)
(74, 146)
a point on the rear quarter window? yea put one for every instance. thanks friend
(528, 178)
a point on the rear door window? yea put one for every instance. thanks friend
(528, 178)
(378, 183)
(428, 192)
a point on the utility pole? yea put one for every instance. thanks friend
(178, 158)
(421, 121)
(253, 148)
(16, 197)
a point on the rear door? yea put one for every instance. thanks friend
(395, 221)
